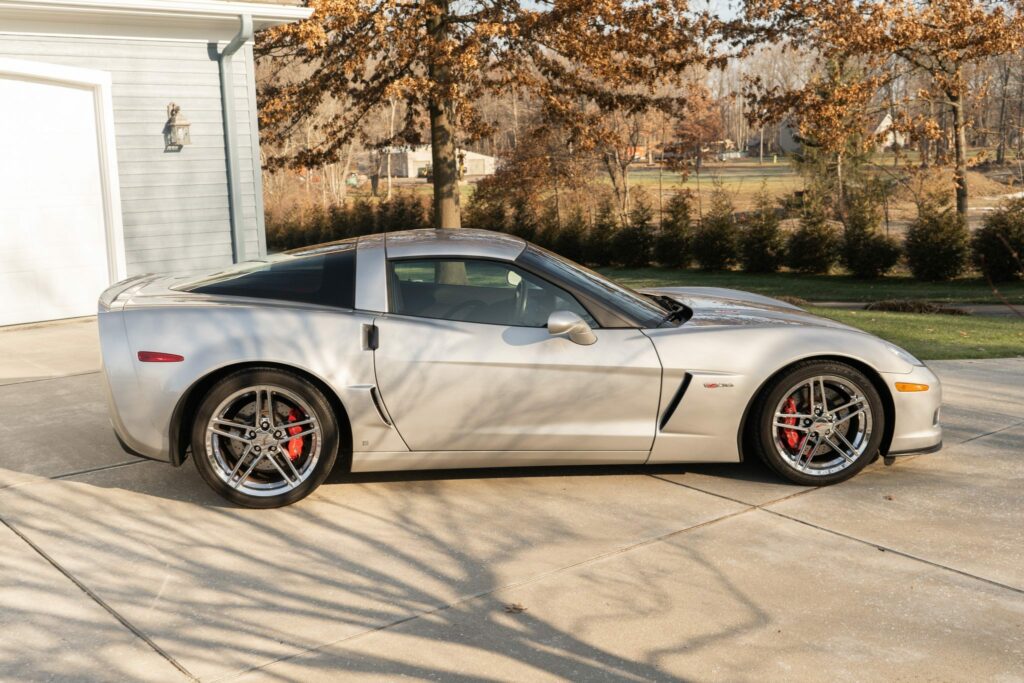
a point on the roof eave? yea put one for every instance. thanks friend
(190, 11)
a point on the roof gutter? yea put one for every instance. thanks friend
(227, 102)
(162, 11)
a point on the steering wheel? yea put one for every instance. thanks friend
(522, 300)
(457, 308)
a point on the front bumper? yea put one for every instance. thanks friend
(917, 428)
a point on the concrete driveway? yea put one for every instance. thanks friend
(112, 568)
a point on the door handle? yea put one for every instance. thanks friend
(371, 337)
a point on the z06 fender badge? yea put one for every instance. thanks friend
(717, 385)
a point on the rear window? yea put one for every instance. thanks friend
(327, 278)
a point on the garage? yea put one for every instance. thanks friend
(58, 232)
(93, 189)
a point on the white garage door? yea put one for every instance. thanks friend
(53, 241)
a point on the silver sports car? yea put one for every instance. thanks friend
(447, 349)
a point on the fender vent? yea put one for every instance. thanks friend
(674, 403)
(375, 397)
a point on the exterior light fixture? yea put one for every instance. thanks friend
(176, 130)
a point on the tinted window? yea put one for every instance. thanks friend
(588, 283)
(477, 292)
(327, 279)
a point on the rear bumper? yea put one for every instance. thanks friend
(126, 402)
(129, 444)
(917, 428)
(128, 449)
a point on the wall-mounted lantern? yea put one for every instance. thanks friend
(176, 131)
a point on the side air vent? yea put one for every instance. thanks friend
(375, 397)
(674, 403)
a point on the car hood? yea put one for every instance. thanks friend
(733, 308)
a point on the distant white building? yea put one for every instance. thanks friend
(788, 141)
(887, 136)
(414, 162)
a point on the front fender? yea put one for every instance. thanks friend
(727, 367)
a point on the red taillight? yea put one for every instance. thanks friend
(159, 357)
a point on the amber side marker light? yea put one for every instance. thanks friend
(909, 386)
(159, 357)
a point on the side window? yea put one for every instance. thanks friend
(477, 291)
(327, 279)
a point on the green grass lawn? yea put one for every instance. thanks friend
(930, 337)
(822, 287)
(939, 337)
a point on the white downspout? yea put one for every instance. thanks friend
(227, 101)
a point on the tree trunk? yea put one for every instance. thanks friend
(444, 154)
(617, 172)
(391, 142)
(1020, 118)
(925, 146)
(515, 119)
(625, 190)
(1003, 136)
(343, 186)
(942, 143)
(959, 155)
(841, 182)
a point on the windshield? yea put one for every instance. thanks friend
(634, 305)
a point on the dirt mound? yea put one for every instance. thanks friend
(981, 185)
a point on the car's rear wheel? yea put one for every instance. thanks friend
(819, 423)
(264, 438)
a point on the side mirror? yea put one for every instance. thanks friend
(570, 324)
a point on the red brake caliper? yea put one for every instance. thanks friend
(792, 436)
(294, 445)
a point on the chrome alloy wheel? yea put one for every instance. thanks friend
(263, 440)
(822, 425)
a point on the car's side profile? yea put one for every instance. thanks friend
(450, 349)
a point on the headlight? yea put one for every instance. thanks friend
(903, 354)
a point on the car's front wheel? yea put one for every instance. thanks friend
(819, 423)
(264, 438)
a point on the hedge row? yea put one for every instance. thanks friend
(362, 217)
(937, 245)
(756, 242)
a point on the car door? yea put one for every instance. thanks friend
(467, 365)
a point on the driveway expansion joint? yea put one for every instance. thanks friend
(99, 601)
(901, 553)
(734, 500)
(101, 468)
(69, 475)
(35, 380)
(764, 508)
(994, 431)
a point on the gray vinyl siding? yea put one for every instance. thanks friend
(174, 204)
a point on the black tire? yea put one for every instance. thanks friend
(762, 432)
(319, 408)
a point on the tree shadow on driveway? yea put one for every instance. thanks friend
(222, 589)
